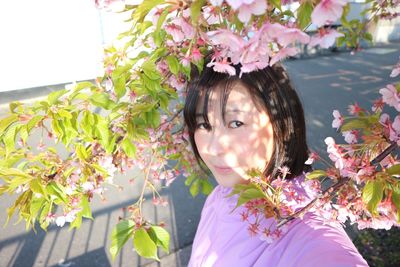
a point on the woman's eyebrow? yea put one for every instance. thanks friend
(236, 110)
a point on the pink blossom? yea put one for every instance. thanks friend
(325, 38)
(327, 11)
(338, 119)
(257, 7)
(210, 15)
(178, 84)
(176, 33)
(226, 38)
(196, 54)
(185, 61)
(396, 70)
(394, 130)
(334, 153)
(88, 186)
(50, 217)
(253, 229)
(60, 221)
(291, 35)
(284, 170)
(283, 53)
(378, 105)
(350, 136)
(354, 109)
(223, 67)
(185, 26)
(41, 146)
(311, 158)
(391, 96)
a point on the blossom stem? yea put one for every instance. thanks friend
(145, 185)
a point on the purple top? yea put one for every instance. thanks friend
(222, 239)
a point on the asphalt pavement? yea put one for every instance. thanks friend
(327, 81)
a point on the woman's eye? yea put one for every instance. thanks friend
(202, 125)
(235, 124)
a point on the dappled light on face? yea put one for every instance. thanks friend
(244, 142)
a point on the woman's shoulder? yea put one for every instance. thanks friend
(314, 242)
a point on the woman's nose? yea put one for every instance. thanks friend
(217, 143)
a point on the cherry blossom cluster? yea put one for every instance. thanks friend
(353, 160)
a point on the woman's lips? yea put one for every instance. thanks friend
(223, 170)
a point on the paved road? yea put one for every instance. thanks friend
(331, 81)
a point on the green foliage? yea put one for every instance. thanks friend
(316, 174)
(372, 194)
(120, 235)
(304, 14)
(195, 9)
(144, 245)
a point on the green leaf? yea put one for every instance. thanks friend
(396, 202)
(153, 118)
(81, 152)
(252, 193)
(19, 177)
(118, 77)
(129, 147)
(173, 64)
(43, 214)
(120, 234)
(24, 133)
(57, 190)
(393, 170)
(37, 187)
(162, 18)
(143, 9)
(372, 194)
(102, 130)
(195, 9)
(6, 122)
(64, 113)
(149, 69)
(36, 205)
(144, 245)
(9, 138)
(53, 97)
(276, 3)
(249, 194)
(304, 14)
(77, 222)
(315, 174)
(87, 122)
(206, 186)
(190, 179)
(86, 211)
(102, 100)
(355, 124)
(14, 105)
(21, 201)
(161, 237)
(368, 36)
(195, 187)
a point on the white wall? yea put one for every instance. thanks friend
(45, 42)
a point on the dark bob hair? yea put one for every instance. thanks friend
(270, 87)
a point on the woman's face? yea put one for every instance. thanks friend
(245, 142)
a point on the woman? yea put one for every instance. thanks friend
(255, 121)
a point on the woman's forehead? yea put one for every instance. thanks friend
(238, 97)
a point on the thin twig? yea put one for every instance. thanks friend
(335, 187)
